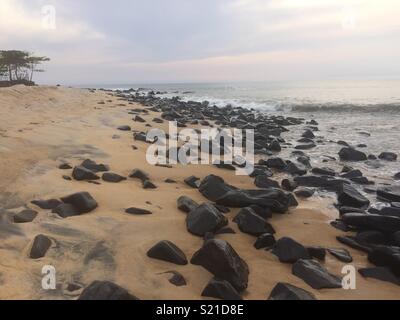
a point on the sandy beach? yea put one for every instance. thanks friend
(43, 127)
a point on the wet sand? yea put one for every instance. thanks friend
(40, 127)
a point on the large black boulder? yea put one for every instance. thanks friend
(214, 187)
(350, 197)
(205, 218)
(315, 275)
(167, 251)
(221, 289)
(389, 194)
(385, 224)
(104, 291)
(219, 258)
(289, 250)
(388, 156)
(251, 223)
(286, 291)
(350, 154)
(82, 201)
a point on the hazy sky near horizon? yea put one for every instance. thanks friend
(131, 41)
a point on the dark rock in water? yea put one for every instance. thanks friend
(289, 250)
(289, 185)
(350, 154)
(390, 211)
(149, 185)
(139, 174)
(304, 193)
(350, 197)
(221, 289)
(353, 243)
(167, 251)
(315, 275)
(262, 212)
(328, 183)
(64, 166)
(81, 173)
(380, 273)
(371, 237)
(276, 163)
(93, 166)
(186, 204)
(352, 174)
(341, 254)
(317, 252)
(124, 128)
(275, 146)
(193, 182)
(264, 182)
(305, 146)
(83, 201)
(347, 168)
(112, 177)
(25, 216)
(389, 194)
(388, 156)
(305, 161)
(205, 218)
(251, 223)
(397, 176)
(324, 171)
(295, 169)
(105, 291)
(219, 258)
(213, 188)
(47, 204)
(288, 292)
(293, 203)
(343, 143)
(40, 246)
(308, 134)
(385, 224)
(226, 230)
(266, 240)
(177, 279)
(372, 157)
(138, 211)
(66, 210)
(343, 210)
(384, 256)
(362, 181)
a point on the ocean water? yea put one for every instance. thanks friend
(358, 112)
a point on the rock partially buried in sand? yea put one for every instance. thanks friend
(186, 204)
(350, 154)
(221, 289)
(149, 185)
(167, 251)
(137, 211)
(81, 173)
(341, 254)
(93, 166)
(47, 204)
(66, 210)
(104, 291)
(251, 223)
(289, 250)
(124, 128)
(64, 166)
(315, 275)
(177, 279)
(288, 292)
(25, 216)
(219, 258)
(139, 174)
(82, 201)
(113, 177)
(205, 218)
(41, 244)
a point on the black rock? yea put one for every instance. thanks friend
(276, 163)
(304, 193)
(251, 223)
(177, 279)
(371, 237)
(352, 174)
(83, 201)
(205, 218)
(350, 197)
(139, 174)
(350, 154)
(289, 251)
(213, 188)
(64, 166)
(222, 209)
(390, 211)
(40, 246)
(104, 291)
(384, 256)
(193, 182)
(340, 225)
(167, 251)
(124, 128)
(324, 171)
(25, 216)
(263, 181)
(380, 273)
(139, 119)
(289, 185)
(47, 204)
(262, 212)
(317, 252)
(343, 210)
(66, 210)
(288, 292)
(266, 240)
(138, 211)
(315, 275)
(388, 156)
(275, 146)
(221, 289)
(170, 181)
(341, 254)
(295, 169)
(81, 173)
(186, 204)
(147, 184)
(385, 224)
(226, 230)
(308, 134)
(93, 166)
(353, 243)
(328, 183)
(397, 176)
(219, 258)
(389, 194)
(113, 177)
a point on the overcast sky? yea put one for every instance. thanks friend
(131, 41)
